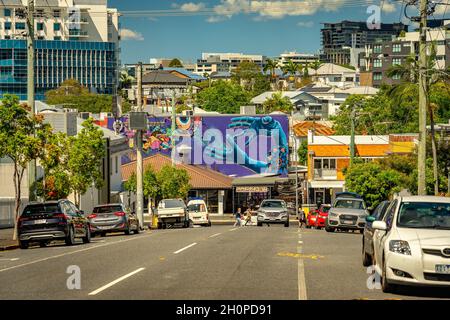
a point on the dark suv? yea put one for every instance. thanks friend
(53, 220)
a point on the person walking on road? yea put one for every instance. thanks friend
(248, 216)
(238, 218)
(301, 218)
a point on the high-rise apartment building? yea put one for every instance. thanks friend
(75, 39)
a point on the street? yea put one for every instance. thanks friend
(215, 263)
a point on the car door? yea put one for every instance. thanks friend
(380, 236)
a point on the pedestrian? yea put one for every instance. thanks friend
(248, 217)
(238, 218)
(301, 218)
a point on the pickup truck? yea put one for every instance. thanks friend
(171, 212)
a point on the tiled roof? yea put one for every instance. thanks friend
(301, 129)
(201, 178)
(162, 76)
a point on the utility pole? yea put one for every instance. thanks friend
(352, 137)
(174, 114)
(139, 157)
(30, 93)
(423, 99)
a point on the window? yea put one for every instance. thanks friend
(425, 215)
(40, 26)
(397, 47)
(57, 13)
(377, 49)
(20, 26)
(397, 62)
(57, 38)
(389, 217)
(57, 27)
(396, 77)
(377, 63)
(7, 25)
(378, 76)
(7, 12)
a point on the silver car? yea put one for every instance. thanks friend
(110, 218)
(347, 214)
(273, 211)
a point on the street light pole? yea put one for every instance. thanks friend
(30, 92)
(139, 156)
(173, 128)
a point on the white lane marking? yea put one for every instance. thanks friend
(76, 251)
(301, 276)
(215, 235)
(13, 259)
(300, 242)
(93, 293)
(233, 229)
(185, 248)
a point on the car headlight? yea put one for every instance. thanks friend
(399, 246)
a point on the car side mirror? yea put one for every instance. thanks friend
(379, 225)
(370, 219)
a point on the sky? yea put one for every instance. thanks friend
(244, 26)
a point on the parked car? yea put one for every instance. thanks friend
(347, 213)
(311, 219)
(412, 243)
(44, 222)
(172, 212)
(113, 217)
(273, 211)
(367, 244)
(322, 215)
(198, 212)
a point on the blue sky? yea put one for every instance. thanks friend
(248, 26)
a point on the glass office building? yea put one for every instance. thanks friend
(93, 64)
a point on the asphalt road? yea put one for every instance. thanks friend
(220, 262)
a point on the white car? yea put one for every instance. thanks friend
(412, 243)
(198, 213)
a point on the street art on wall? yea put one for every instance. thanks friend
(234, 145)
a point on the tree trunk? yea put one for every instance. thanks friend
(434, 151)
(18, 175)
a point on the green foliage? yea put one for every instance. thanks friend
(175, 63)
(73, 95)
(173, 182)
(85, 157)
(278, 103)
(248, 75)
(373, 182)
(223, 97)
(303, 153)
(131, 184)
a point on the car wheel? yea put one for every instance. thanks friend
(23, 244)
(70, 238)
(361, 231)
(159, 225)
(103, 234)
(259, 224)
(43, 244)
(190, 224)
(87, 238)
(329, 229)
(385, 285)
(286, 225)
(366, 259)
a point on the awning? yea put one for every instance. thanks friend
(327, 184)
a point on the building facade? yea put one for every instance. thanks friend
(298, 58)
(341, 40)
(225, 62)
(76, 39)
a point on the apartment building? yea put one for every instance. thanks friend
(76, 39)
(225, 62)
(341, 41)
(381, 56)
(328, 156)
(298, 58)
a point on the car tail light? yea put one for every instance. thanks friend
(92, 216)
(21, 219)
(62, 217)
(120, 214)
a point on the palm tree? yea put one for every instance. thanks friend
(271, 66)
(125, 80)
(315, 66)
(293, 69)
(409, 73)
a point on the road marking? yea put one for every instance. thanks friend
(93, 293)
(74, 252)
(301, 275)
(13, 259)
(185, 248)
(215, 235)
(300, 255)
(233, 229)
(300, 242)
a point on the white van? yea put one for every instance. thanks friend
(198, 213)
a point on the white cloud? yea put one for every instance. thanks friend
(389, 7)
(128, 34)
(443, 9)
(192, 7)
(306, 24)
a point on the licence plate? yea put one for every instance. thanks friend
(443, 268)
(104, 227)
(42, 221)
(348, 222)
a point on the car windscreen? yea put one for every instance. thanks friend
(349, 204)
(171, 204)
(273, 204)
(197, 207)
(108, 209)
(37, 209)
(424, 215)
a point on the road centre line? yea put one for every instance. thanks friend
(185, 248)
(301, 275)
(74, 252)
(215, 235)
(233, 229)
(93, 293)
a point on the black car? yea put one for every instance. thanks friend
(53, 220)
(367, 245)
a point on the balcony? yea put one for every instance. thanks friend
(78, 34)
(325, 174)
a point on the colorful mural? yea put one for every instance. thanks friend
(234, 145)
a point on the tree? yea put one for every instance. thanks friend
(175, 63)
(303, 153)
(86, 153)
(223, 97)
(173, 182)
(248, 74)
(17, 143)
(277, 103)
(292, 68)
(315, 66)
(125, 80)
(373, 182)
(271, 66)
(72, 94)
